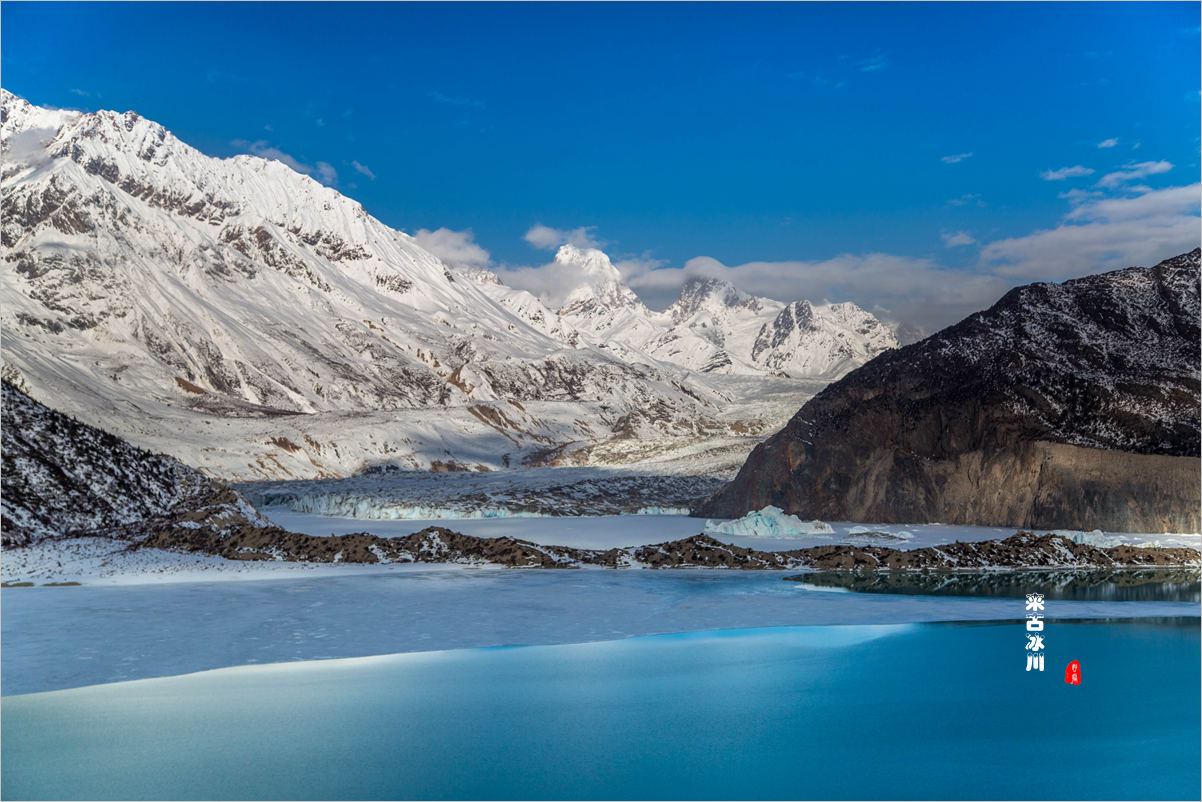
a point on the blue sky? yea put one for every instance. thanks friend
(819, 150)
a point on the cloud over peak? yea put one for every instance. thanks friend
(547, 238)
(457, 248)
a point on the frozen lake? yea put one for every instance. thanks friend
(930, 711)
(62, 637)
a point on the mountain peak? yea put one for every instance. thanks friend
(699, 293)
(596, 279)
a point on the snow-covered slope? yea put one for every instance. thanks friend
(711, 328)
(255, 323)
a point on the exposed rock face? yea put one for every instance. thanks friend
(1071, 405)
(63, 478)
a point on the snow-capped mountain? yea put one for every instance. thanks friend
(215, 308)
(711, 328)
(256, 324)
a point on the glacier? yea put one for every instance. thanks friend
(768, 522)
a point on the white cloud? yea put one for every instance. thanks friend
(1065, 172)
(552, 283)
(1150, 204)
(958, 238)
(29, 146)
(457, 248)
(547, 238)
(1108, 143)
(1133, 172)
(322, 171)
(971, 199)
(1102, 234)
(959, 157)
(1076, 196)
(326, 173)
(1100, 231)
(364, 169)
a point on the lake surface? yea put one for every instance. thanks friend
(901, 711)
(64, 637)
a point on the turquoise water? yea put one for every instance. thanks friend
(58, 638)
(903, 711)
(1125, 585)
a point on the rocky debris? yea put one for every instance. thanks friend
(440, 545)
(434, 544)
(62, 478)
(1063, 406)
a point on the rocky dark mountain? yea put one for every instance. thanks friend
(62, 478)
(1072, 405)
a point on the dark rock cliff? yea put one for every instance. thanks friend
(63, 478)
(1071, 405)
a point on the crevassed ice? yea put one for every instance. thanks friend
(769, 522)
(383, 509)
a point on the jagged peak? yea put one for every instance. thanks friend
(700, 293)
(18, 115)
(596, 279)
(7, 98)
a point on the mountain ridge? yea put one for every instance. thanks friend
(712, 327)
(219, 308)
